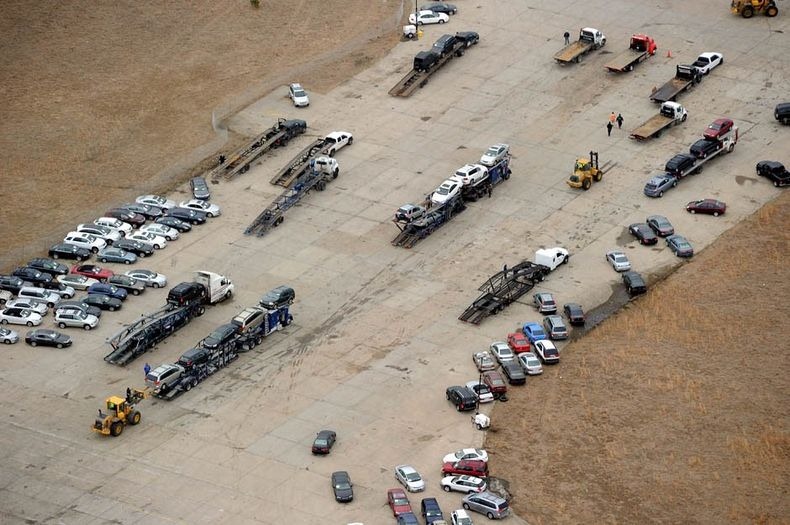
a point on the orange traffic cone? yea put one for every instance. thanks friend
(669, 53)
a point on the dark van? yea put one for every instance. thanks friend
(280, 296)
(445, 44)
(186, 293)
(425, 60)
(193, 357)
(679, 165)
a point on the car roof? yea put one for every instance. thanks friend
(709, 54)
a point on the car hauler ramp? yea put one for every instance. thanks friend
(502, 289)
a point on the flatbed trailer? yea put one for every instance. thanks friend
(417, 78)
(239, 162)
(221, 357)
(502, 289)
(671, 113)
(589, 40)
(640, 49)
(685, 78)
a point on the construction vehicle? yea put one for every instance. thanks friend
(120, 412)
(504, 288)
(322, 170)
(303, 161)
(589, 40)
(425, 64)
(640, 49)
(686, 76)
(671, 113)
(239, 162)
(200, 362)
(184, 302)
(586, 170)
(747, 8)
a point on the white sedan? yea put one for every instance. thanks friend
(20, 316)
(502, 352)
(464, 483)
(150, 278)
(449, 189)
(481, 391)
(8, 337)
(29, 304)
(76, 281)
(157, 241)
(211, 210)
(171, 234)
(530, 363)
(409, 478)
(156, 200)
(707, 61)
(466, 453)
(428, 17)
(618, 260)
(494, 154)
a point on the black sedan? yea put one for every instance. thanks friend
(146, 210)
(78, 305)
(643, 233)
(131, 285)
(105, 302)
(660, 225)
(178, 224)
(191, 216)
(48, 265)
(44, 337)
(12, 283)
(135, 219)
(341, 485)
(31, 274)
(704, 147)
(139, 248)
(440, 7)
(574, 313)
(69, 251)
(323, 441)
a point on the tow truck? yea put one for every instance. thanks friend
(686, 76)
(274, 137)
(640, 49)
(322, 170)
(589, 39)
(671, 113)
(145, 333)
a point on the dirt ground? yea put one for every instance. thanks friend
(675, 410)
(103, 102)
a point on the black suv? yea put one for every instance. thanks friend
(186, 293)
(462, 398)
(445, 44)
(193, 357)
(782, 112)
(704, 147)
(679, 165)
(469, 38)
(280, 296)
(514, 373)
(220, 336)
(634, 283)
(425, 60)
(50, 266)
(12, 283)
(774, 171)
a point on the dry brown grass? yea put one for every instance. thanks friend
(674, 410)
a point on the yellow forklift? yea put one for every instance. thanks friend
(585, 171)
(120, 412)
(747, 8)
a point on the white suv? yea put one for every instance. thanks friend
(85, 240)
(64, 318)
(471, 174)
(297, 93)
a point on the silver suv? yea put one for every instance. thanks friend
(163, 377)
(487, 503)
(64, 318)
(555, 327)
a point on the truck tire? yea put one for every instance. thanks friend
(748, 11)
(684, 118)
(279, 221)
(586, 184)
(335, 173)
(116, 428)
(772, 11)
(134, 417)
(321, 185)
(200, 311)
(598, 176)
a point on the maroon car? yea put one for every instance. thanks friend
(470, 467)
(709, 206)
(495, 383)
(135, 219)
(398, 501)
(718, 128)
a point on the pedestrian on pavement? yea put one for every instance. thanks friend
(504, 270)
(612, 118)
(146, 369)
(620, 121)
(609, 127)
(490, 190)
(567, 38)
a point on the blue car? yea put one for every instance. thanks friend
(534, 332)
(660, 183)
(118, 255)
(107, 289)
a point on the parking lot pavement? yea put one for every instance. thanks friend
(375, 340)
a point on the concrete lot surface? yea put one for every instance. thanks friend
(375, 340)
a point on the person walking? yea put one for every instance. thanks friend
(490, 190)
(146, 369)
(567, 38)
(620, 121)
(609, 127)
(612, 118)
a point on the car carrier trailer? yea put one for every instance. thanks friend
(640, 49)
(685, 78)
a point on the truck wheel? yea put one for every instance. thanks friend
(134, 417)
(321, 186)
(598, 176)
(116, 428)
(772, 12)
(748, 11)
(188, 386)
(684, 118)
(201, 311)
(586, 184)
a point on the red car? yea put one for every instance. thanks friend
(518, 342)
(718, 128)
(709, 206)
(398, 502)
(495, 383)
(135, 219)
(471, 467)
(93, 271)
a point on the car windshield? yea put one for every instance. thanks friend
(400, 501)
(533, 362)
(342, 485)
(298, 93)
(492, 152)
(321, 442)
(620, 258)
(413, 476)
(537, 332)
(443, 190)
